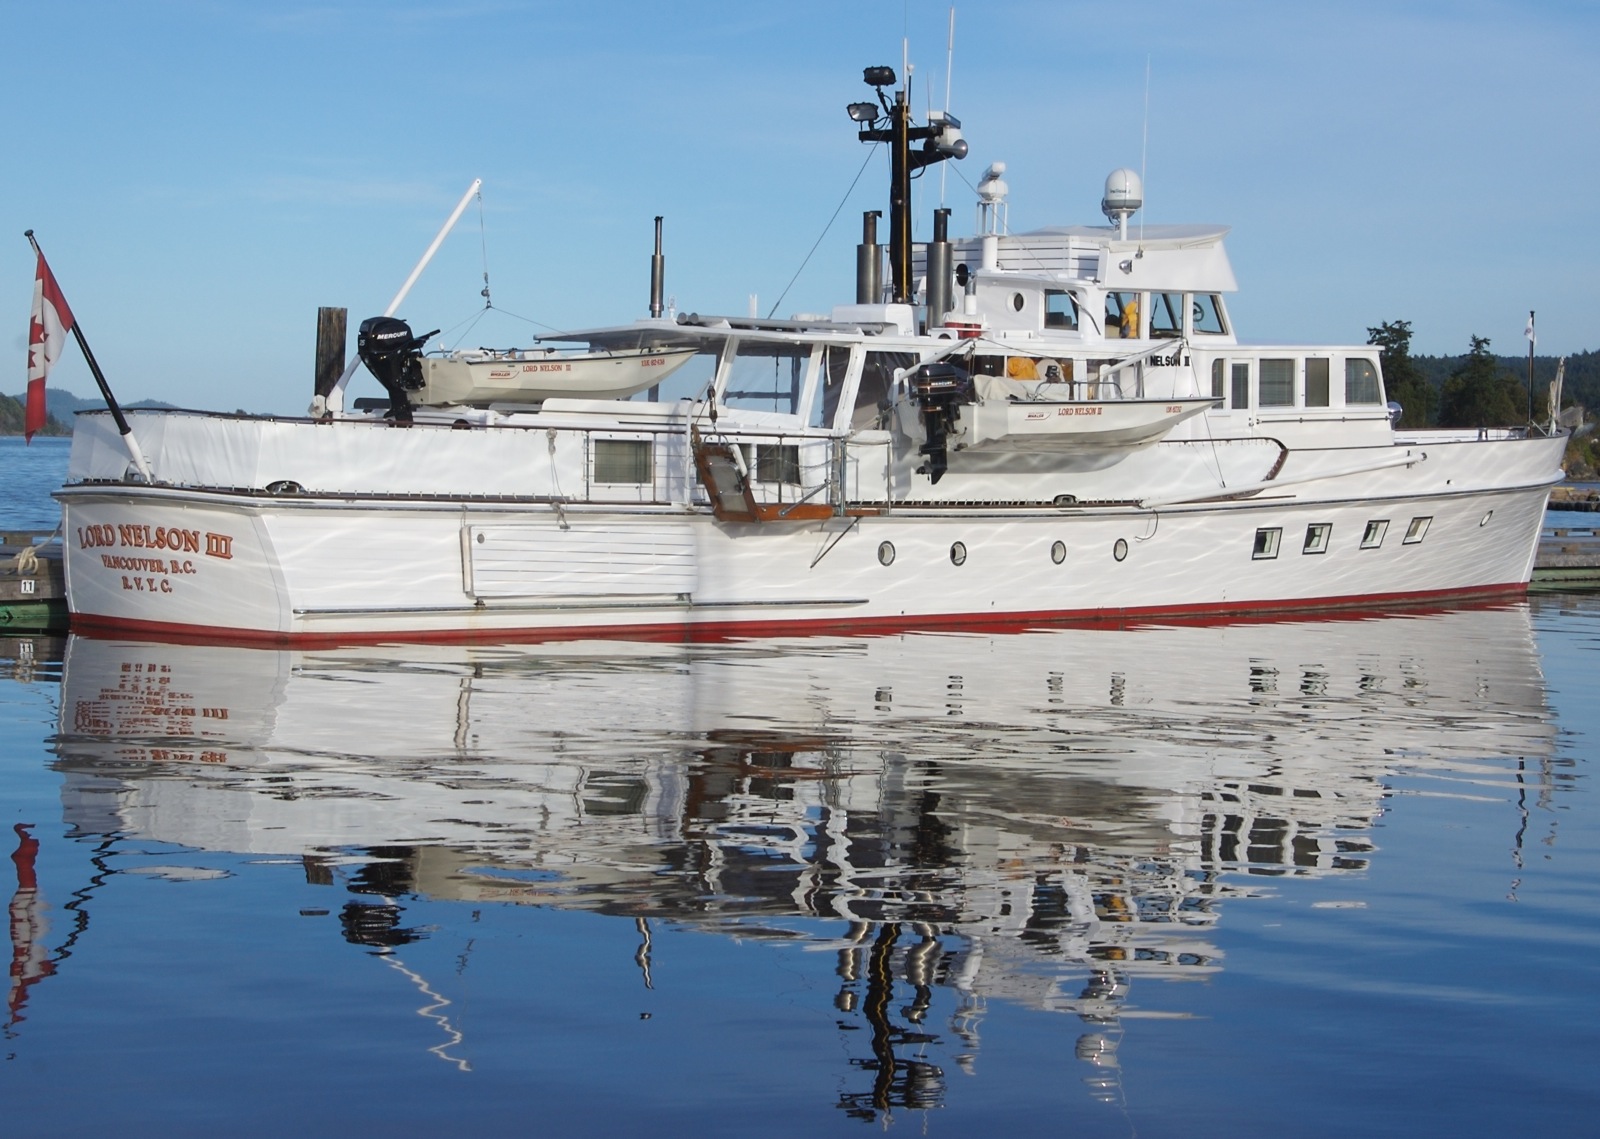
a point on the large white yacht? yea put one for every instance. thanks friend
(1001, 428)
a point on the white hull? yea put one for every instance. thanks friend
(351, 567)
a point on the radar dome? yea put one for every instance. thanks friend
(1124, 195)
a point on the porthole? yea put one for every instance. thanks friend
(1267, 541)
(1120, 550)
(1018, 301)
(1058, 552)
(1484, 521)
(1372, 537)
(1317, 535)
(958, 553)
(885, 553)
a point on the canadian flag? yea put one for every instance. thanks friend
(47, 336)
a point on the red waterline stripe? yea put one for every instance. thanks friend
(695, 632)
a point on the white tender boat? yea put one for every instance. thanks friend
(1005, 428)
(532, 375)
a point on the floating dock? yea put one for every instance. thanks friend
(1584, 498)
(33, 588)
(1569, 558)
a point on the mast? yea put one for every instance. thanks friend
(940, 138)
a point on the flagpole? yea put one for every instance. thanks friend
(1532, 340)
(128, 439)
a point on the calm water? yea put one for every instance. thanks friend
(1309, 878)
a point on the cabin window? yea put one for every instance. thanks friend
(877, 376)
(1218, 378)
(1277, 383)
(778, 462)
(1361, 382)
(1417, 531)
(1207, 313)
(1317, 382)
(1317, 536)
(836, 368)
(622, 461)
(1122, 316)
(766, 376)
(1268, 539)
(1060, 310)
(1241, 385)
(1372, 537)
(1166, 314)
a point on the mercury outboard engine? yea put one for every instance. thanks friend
(394, 357)
(940, 390)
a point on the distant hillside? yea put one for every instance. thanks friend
(60, 406)
(12, 412)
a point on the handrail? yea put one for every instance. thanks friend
(1246, 489)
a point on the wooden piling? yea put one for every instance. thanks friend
(332, 325)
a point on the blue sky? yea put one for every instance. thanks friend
(204, 173)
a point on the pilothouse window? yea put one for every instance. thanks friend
(1122, 315)
(1207, 313)
(1166, 314)
(1060, 310)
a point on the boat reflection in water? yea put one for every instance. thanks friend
(1045, 818)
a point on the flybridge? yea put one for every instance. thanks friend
(1083, 280)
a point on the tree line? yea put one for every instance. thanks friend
(1478, 388)
(12, 419)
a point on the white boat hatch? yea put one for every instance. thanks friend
(577, 559)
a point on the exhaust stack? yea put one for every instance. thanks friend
(658, 274)
(869, 261)
(939, 258)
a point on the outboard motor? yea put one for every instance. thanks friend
(394, 357)
(940, 390)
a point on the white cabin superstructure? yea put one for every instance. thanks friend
(1060, 424)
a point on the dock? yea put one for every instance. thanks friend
(1582, 498)
(1568, 558)
(33, 586)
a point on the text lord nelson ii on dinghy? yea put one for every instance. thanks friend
(1003, 428)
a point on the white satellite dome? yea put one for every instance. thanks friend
(1123, 197)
